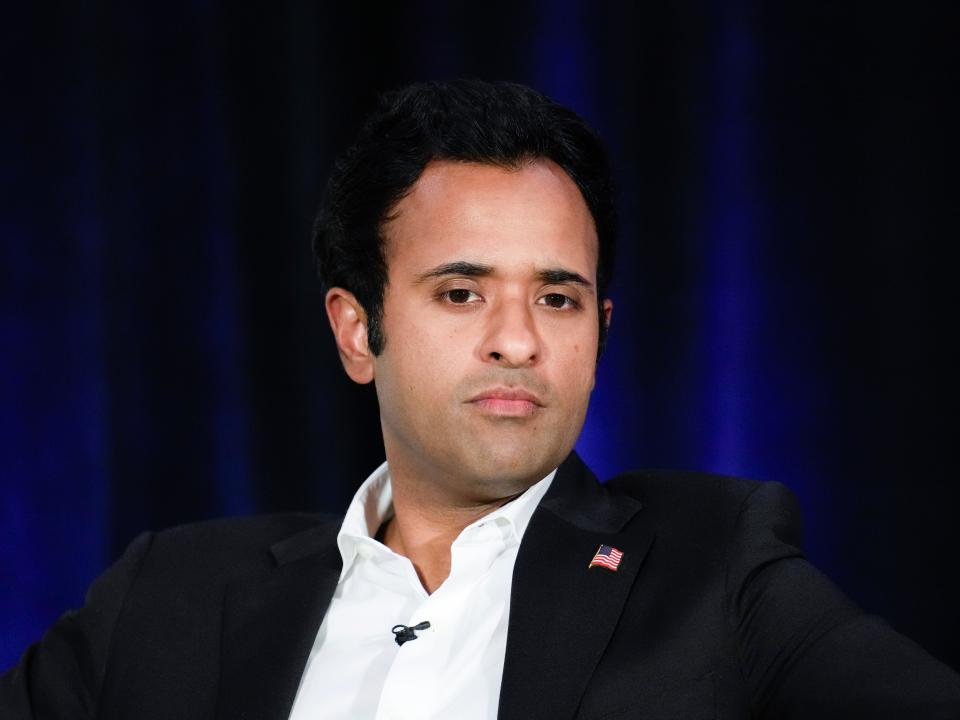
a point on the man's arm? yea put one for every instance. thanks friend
(61, 676)
(806, 650)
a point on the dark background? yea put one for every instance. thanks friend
(783, 298)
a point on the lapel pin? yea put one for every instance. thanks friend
(607, 557)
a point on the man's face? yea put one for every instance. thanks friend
(490, 319)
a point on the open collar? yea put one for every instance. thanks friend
(372, 505)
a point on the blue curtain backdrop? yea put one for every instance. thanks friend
(783, 299)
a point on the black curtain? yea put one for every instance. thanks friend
(783, 294)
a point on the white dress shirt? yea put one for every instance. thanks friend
(356, 670)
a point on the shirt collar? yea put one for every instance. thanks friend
(373, 504)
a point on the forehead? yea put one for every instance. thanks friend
(531, 215)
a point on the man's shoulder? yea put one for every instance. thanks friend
(706, 504)
(223, 547)
(248, 528)
(683, 486)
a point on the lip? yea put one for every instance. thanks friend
(506, 402)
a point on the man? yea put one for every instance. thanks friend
(466, 243)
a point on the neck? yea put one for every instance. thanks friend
(425, 525)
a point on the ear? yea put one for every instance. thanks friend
(607, 312)
(348, 320)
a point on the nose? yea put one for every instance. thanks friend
(511, 338)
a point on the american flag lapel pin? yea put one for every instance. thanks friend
(607, 557)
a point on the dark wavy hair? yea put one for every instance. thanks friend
(495, 123)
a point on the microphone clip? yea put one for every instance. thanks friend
(404, 633)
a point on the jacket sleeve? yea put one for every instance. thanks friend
(60, 676)
(806, 650)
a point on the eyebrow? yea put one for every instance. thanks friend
(559, 276)
(552, 276)
(460, 267)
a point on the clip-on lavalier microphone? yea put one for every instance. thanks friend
(404, 633)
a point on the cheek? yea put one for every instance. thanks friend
(424, 355)
(575, 350)
(437, 335)
(574, 377)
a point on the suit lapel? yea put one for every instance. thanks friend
(562, 614)
(270, 623)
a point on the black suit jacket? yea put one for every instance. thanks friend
(713, 613)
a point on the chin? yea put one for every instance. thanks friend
(511, 470)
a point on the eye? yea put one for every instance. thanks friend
(558, 301)
(459, 296)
